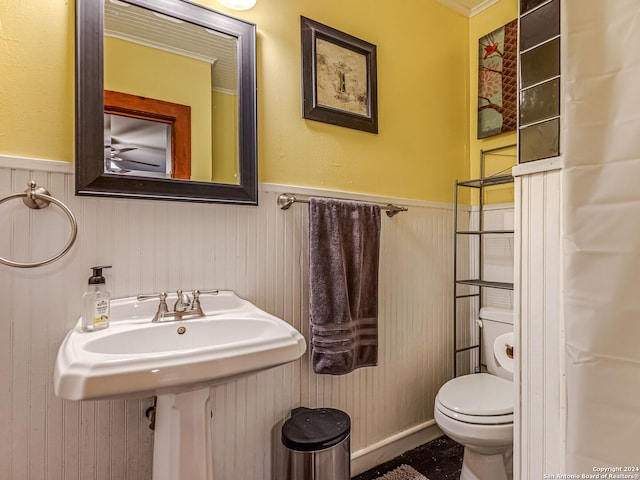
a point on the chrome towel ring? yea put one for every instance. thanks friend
(37, 198)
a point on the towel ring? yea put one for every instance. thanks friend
(38, 198)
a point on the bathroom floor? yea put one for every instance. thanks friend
(440, 459)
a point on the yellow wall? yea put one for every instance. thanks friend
(423, 85)
(149, 72)
(483, 23)
(224, 145)
(36, 79)
(422, 62)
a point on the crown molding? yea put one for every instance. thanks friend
(468, 8)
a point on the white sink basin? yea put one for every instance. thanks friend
(135, 357)
(163, 339)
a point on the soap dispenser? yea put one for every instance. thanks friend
(96, 302)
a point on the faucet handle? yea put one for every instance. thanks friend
(162, 308)
(162, 296)
(196, 299)
(197, 293)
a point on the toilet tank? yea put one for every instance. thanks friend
(495, 321)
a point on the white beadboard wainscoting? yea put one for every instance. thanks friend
(540, 415)
(260, 253)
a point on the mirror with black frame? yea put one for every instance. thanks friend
(165, 102)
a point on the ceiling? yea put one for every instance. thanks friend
(468, 8)
(128, 22)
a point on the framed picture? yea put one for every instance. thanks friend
(339, 79)
(497, 81)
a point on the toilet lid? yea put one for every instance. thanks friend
(478, 394)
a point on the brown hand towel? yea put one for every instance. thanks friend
(344, 246)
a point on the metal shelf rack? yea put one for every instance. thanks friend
(476, 284)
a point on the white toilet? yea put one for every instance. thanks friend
(476, 410)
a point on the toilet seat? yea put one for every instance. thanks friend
(475, 419)
(481, 399)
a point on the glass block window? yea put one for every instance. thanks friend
(539, 25)
(539, 64)
(539, 80)
(540, 102)
(526, 5)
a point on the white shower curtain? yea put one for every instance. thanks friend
(601, 244)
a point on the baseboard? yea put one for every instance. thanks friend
(383, 451)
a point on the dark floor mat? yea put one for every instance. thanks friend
(440, 459)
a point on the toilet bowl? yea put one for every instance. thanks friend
(476, 410)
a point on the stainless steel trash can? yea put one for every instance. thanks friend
(318, 444)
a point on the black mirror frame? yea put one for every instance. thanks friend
(89, 109)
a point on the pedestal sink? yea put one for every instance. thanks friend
(177, 361)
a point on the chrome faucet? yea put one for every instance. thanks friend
(185, 305)
(183, 302)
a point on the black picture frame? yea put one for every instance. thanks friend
(339, 77)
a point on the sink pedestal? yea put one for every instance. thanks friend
(182, 440)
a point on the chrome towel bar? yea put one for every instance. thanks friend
(285, 200)
(37, 198)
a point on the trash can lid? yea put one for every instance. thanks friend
(313, 429)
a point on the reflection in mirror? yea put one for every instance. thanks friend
(159, 57)
(178, 109)
(136, 145)
(145, 125)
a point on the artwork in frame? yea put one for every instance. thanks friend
(339, 77)
(497, 81)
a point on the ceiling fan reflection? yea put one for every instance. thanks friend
(112, 160)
